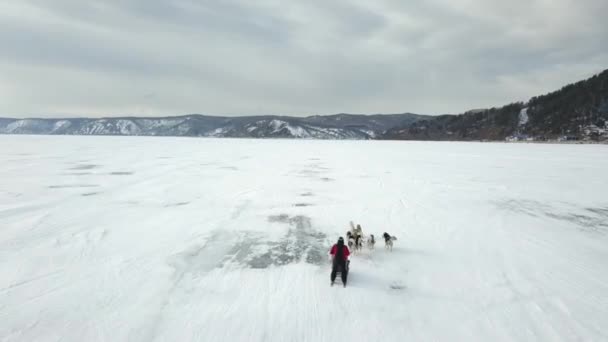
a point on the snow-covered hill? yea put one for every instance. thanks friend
(142, 239)
(341, 126)
(578, 111)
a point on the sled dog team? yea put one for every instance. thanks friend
(340, 253)
(356, 239)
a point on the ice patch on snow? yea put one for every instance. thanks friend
(590, 219)
(121, 173)
(301, 244)
(65, 186)
(85, 167)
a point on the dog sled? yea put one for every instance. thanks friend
(339, 272)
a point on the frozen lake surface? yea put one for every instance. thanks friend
(185, 239)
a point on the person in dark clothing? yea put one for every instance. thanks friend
(340, 254)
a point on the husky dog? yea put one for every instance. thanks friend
(371, 241)
(351, 244)
(356, 233)
(350, 240)
(358, 242)
(388, 241)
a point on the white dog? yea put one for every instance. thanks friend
(351, 243)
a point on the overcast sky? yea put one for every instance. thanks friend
(239, 57)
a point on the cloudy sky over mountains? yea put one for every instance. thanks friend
(240, 57)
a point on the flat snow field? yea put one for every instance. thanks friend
(192, 239)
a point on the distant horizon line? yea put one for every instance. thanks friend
(217, 116)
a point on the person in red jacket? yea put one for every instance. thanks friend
(339, 253)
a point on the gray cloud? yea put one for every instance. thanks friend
(152, 57)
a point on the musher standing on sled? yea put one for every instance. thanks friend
(339, 253)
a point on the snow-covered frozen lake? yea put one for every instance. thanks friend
(185, 239)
